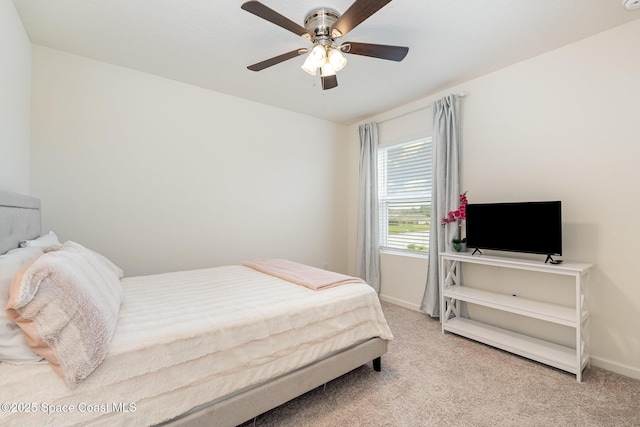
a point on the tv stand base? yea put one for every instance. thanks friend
(454, 293)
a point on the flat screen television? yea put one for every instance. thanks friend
(530, 227)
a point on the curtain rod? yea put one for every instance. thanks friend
(460, 94)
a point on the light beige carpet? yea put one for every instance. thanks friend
(434, 379)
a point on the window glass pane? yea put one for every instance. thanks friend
(408, 225)
(409, 170)
(404, 183)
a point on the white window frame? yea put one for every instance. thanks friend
(408, 197)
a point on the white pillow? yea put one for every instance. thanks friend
(13, 346)
(45, 241)
(66, 302)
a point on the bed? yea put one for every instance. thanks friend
(215, 346)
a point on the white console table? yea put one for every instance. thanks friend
(453, 293)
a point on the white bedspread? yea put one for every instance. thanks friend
(187, 338)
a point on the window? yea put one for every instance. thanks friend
(404, 194)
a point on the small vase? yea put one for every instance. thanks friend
(458, 245)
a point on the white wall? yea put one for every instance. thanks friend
(15, 81)
(559, 126)
(160, 176)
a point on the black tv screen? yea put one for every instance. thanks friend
(531, 227)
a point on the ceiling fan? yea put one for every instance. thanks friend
(322, 26)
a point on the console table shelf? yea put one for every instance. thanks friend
(453, 293)
(526, 307)
(541, 351)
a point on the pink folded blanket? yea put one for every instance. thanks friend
(301, 274)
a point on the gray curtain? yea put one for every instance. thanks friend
(368, 248)
(445, 192)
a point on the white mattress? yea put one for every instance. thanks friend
(187, 338)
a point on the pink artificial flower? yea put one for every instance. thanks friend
(460, 213)
(463, 211)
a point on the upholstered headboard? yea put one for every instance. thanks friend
(19, 219)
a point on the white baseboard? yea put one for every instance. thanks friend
(401, 303)
(618, 368)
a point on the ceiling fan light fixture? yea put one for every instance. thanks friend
(322, 26)
(327, 70)
(308, 67)
(337, 60)
(317, 56)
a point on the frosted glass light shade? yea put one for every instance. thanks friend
(317, 56)
(308, 67)
(329, 60)
(327, 70)
(337, 60)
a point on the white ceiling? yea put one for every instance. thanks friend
(210, 44)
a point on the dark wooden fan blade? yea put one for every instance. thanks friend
(329, 82)
(357, 12)
(274, 17)
(276, 60)
(382, 51)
